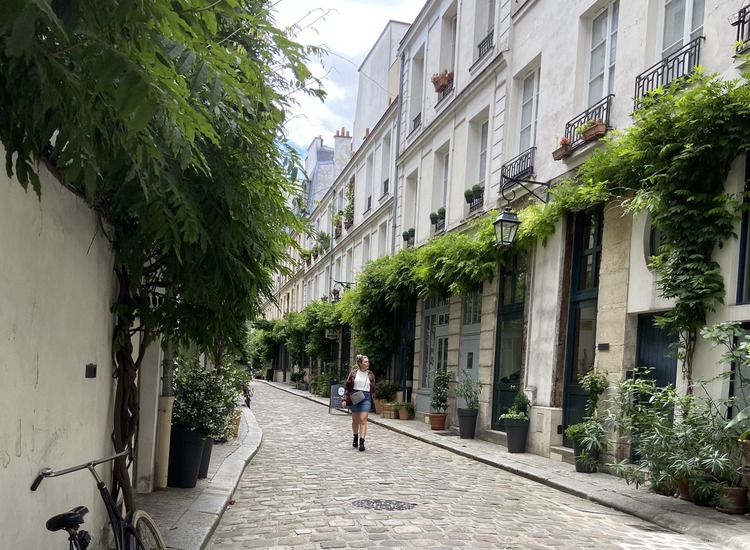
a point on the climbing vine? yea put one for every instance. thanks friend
(672, 162)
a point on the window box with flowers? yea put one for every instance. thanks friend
(592, 129)
(442, 79)
(565, 149)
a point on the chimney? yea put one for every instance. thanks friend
(341, 150)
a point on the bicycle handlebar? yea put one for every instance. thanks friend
(49, 472)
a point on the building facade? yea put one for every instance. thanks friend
(497, 101)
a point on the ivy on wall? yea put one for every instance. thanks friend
(672, 162)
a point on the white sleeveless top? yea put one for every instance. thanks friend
(361, 381)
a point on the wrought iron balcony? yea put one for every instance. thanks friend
(741, 20)
(598, 111)
(440, 225)
(477, 204)
(520, 167)
(417, 122)
(448, 90)
(485, 46)
(679, 64)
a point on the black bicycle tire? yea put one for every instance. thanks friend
(146, 535)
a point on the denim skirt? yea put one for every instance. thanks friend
(363, 406)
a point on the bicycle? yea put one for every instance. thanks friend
(135, 531)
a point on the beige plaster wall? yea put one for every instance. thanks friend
(56, 287)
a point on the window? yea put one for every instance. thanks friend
(416, 86)
(446, 179)
(472, 308)
(683, 22)
(385, 164)
(365, 249)
(482, 168)
(529, 107)
(603, 53)
(436, 338)
(368, 183)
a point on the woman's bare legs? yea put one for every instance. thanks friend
(362, 424)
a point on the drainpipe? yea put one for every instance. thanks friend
(395, 203)
(395, 163)
(164, 421)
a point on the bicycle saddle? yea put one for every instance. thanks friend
(74, 518)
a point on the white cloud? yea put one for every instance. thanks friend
(348, 29)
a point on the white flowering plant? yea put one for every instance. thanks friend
(204, 398)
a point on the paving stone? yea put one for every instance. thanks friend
(309, 485)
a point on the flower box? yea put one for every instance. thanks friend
(564, 151)
(594, 131)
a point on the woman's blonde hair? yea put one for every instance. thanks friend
(359, 358)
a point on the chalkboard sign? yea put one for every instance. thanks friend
(337, 394)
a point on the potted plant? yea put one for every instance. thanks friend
(592, 129)
(468, 390)
(517, 423)
(442, 79)
(477, 191)
(589, 437)
(469, 195)
(439, 400)
(405, 410)
(565, 149)
(385, 392)
(441, 213)
(433, 218)
(405, 235)
(200, 411)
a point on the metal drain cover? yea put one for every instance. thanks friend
(383, 504)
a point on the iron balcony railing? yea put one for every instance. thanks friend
(448, 90)
(520, 167)
(598, 111)
(477, 204)
(679, 64)
(486, 44)
(417, 122)
(440, 225)
(741, 20)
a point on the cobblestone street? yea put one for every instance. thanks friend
(308, 488)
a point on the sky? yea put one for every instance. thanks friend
(348, 29)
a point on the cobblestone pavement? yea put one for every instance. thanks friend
(307, 488)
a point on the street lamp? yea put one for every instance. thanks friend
(506, 226)
(507, 222)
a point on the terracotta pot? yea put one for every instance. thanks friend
(437, 420)
(732, 500)
(562, 152)
(683, 488)
(403, 414)
(595, 131)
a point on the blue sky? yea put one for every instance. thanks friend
(348, 28)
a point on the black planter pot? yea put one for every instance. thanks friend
(467, 423)
(208, 446)
(185, 453)
(517, 432)
(585, 465)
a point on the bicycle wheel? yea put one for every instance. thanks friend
(146, 535)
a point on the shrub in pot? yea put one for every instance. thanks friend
(517, 423)
(439, 400)
(468, 390)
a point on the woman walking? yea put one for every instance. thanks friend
(360, 379)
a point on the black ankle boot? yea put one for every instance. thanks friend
(362, 444)
(355, 441)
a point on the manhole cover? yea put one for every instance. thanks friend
(383, 504)
(445, 433)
